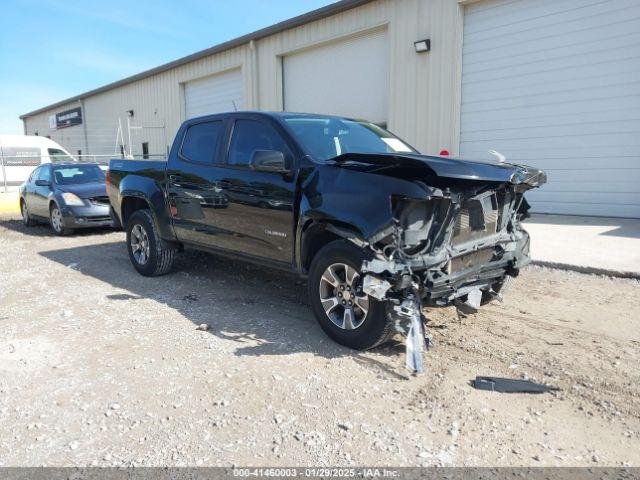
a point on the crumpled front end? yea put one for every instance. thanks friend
(462, 239)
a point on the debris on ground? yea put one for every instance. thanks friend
(510, 385)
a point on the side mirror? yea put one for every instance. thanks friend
(268, 161)
(43, 183)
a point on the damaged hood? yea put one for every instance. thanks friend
(443, 167)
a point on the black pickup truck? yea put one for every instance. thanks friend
(344, 202)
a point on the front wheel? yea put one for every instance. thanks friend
(149, 254)
(346, 314)
(27, 220)
(57, 224)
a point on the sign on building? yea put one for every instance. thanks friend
(68, 118)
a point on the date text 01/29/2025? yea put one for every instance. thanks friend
(320, 472)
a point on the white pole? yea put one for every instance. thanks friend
(119, 134)
(4, 171)
(129, 134)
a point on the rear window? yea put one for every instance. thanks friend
(201, 141)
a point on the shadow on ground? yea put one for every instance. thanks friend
(265, 311)
(42, 228)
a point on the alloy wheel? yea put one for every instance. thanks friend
(140, 244)
(56, 219)
(24, 212)
(341, 297)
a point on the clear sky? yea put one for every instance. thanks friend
(54, 49)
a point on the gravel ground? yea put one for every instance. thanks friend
(100, 366)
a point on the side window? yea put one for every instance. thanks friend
(45, 173)
(34, 175)
(201, 141)
(250, 135)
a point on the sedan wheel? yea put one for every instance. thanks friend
(140, 244)
(26, 217)
(55, 217)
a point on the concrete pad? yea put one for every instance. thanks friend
(609, 246)
(9, 202)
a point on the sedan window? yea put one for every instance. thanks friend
(45, 174)
(34, 175)
(78, 174)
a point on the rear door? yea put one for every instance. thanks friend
(257, 219)
(193, 194)
(29, 188)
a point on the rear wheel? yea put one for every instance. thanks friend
(150, 255)
(26, 217)
(57, 224)
(345, 313)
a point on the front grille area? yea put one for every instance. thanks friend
(471, 260)
(97, 219)
(478, 218)
(100, 200)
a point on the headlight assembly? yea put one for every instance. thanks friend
(72, 200)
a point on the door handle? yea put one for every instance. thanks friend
(175, 177)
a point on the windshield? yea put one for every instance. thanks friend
(76, 175)
(327, 137)
(58, 155)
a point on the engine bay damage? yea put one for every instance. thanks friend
(456, 245)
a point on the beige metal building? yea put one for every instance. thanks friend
(551, 83)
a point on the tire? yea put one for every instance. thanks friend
(27, 220)
(154, 256)
(55, 220)
(359, 332)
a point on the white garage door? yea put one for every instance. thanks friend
(214, 94)
(348, 78)
(556, 84)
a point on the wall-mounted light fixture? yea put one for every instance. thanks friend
(422, 46)
(130, 113)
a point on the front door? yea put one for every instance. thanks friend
(39, 199)
(258, 219)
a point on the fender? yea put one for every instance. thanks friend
(147, 189)
(350, 204)
(308, 228)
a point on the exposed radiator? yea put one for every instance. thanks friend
(477, 218)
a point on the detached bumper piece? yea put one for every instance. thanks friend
(508, 385)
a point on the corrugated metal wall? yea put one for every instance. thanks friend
(423, 88)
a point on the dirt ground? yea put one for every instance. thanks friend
(100, 366)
